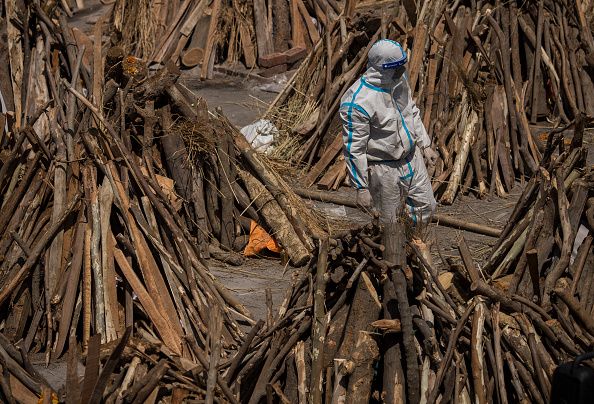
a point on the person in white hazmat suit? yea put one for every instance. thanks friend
(385, 140)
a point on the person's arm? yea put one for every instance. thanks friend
(423, 139)
(355, 135)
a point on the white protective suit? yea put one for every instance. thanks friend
(384, 136)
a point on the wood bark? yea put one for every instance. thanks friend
(275, 219)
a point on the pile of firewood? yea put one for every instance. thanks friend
(116, 184)
(271, 35)
(482, 89)
(546, 247)
(20, 382)
(142, 370)
(361, 327)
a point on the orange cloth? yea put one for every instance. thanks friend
(259, 240)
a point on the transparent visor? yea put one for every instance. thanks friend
(394, 65)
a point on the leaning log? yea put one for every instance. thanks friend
(275, 219)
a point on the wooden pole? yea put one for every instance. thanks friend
(319, 326)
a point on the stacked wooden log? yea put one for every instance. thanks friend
(20, 382)
(545, 249)
(483, 90)
(271, 35)
(360, 327)
(115, 186)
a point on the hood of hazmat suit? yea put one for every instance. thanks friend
(380, 120)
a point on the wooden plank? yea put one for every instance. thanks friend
(92, 368)
(188, 26)
(311, 28)
(329, 155)
(110, 297)
(161, 324)
(328, 180)
(418, 55)
(72, 379)
(297, 27)
(86, 286)
(432, 74)
(5, 81)
(150, 271)
(261, 25)
(15, 59)
(161, 50)
(89, 180)
(71, 288)
(249, 50)
(215, 328)
(206, 69)
(54, 265)
(281, 25)
(98, 62)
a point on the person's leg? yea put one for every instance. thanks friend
(383, 185)
(416, 187)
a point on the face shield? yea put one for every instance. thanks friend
(388, 59)
(394, 73)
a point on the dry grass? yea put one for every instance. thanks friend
(137, 23)
(197, 137)
(295, 111)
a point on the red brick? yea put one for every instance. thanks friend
(273, 59)
(295, 54)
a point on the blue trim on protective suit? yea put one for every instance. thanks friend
(389, 40)
(405, 128)
(371, 86)
(356, 106)
(350, 140)
(410, 174)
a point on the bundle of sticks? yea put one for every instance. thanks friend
(545, 250)
(483, 91)
(116, 186)
(271, 35)
(20, 382)
(266, 361)
(92, 241)
(374, 318)
(141, 369)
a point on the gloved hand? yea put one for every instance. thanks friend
(364, 199)
(430, 157)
